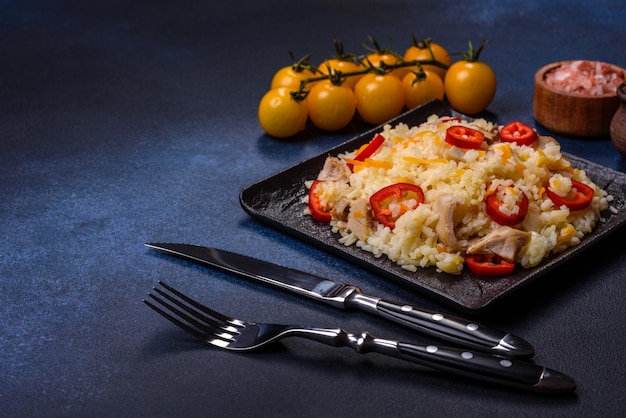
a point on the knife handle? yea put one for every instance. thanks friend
(448, 327)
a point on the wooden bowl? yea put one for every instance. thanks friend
(572, 114)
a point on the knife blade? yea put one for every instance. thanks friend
(344, 296)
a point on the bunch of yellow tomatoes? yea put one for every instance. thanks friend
(378, 86)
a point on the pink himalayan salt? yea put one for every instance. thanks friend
(585, 78)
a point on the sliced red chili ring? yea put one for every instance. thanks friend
(394, 194)
(489, 265)
(464, 137)
(580, 197)
(493, 205)
(519, 133)
(370, 149)
(315, 205)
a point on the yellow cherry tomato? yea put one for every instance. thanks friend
(420, 51)
(288, 77)
(379, 97)
(419, 91)
(280, 115)
(331, 107)
(470, 85)
(344, 66)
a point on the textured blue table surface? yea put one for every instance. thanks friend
(123, 122)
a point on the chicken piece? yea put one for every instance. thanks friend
(445, 206)
(504, 241)
(454, 153)
(341, 209)
(334, 170)
(543, 140)
(359, 219)
(492, 135)
(552, 149)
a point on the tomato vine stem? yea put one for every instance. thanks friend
(302, 64)
(337, 77)
(472, 54)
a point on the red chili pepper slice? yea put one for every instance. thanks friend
(315, 205)
(464, 137)
(579, 198)
(493, 209)
(370, 149)
(400, 194)
(489, 265)
(519, 133)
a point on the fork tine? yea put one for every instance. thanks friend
(200, 306)
(191, 330)
(200, 323)
(189, 319)
(191, 315)
(215, 320)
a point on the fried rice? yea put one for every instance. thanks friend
(455, 184)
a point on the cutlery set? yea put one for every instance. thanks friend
(486, 354)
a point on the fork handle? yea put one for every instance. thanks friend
(487, 367)
(512, 372)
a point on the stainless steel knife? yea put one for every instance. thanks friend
(442, 325)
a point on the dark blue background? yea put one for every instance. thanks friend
(123, 122)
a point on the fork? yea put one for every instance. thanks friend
(219, 330)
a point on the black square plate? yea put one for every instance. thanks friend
(277, 201)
